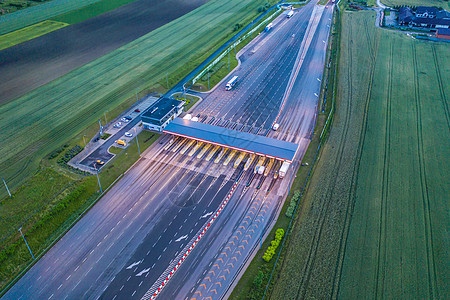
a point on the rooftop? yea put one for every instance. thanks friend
(161, 108)
(233, 139)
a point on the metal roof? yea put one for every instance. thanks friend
(233, 139)
(161, 108)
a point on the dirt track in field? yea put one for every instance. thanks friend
(29, 65)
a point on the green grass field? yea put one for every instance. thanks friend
(90, 11)
(374, 221)
(438, 3)
(28, 33)
(38, 13)
(52, 114)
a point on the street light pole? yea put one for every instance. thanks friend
(228, 61)
(106, 122)
(137, 100)
(84, 140)
(98, 179)
(20, 229)
(137, 141)
(262, 231)
(6, 187)
(101, 128)
(167, 79)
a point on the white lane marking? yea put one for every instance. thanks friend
(205, 216)
(50, 296)
(68, 277)
(165, 249)
(142, 272)
(60, 286)
(134, 264)
(159, 257)
(76, 268)
(133, 293)
(121, 288)
(140, 283)
(181, 238)
(128, 278)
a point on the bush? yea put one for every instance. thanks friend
(270, 252)
(68, 156)
(292, 204)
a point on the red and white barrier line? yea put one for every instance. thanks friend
(172, 272)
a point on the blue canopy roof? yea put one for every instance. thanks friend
(233, 139)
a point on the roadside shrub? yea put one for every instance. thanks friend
(292, 204)
(237, 27)
(259, 278)
(261, 9)
(68, 156)
(270, 252)
(105, 136)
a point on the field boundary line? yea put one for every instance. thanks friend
(441, 87)
(354, 183)
(433, 286)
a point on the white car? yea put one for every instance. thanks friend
(118, 125)
(124, 120)
(127, 134)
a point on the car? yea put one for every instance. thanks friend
(127, 134)
(137, 110)
(100, 162)
(128, 118)
(125, 120)
(121, 142)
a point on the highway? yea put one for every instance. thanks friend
(124, 245)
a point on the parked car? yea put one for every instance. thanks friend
(124, 119)
(128, 118)
(127, 134)
(137, 110)
(100, 162)
(121, 142)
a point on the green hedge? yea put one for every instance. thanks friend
(273, 245)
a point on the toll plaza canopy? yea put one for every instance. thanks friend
(242, 141)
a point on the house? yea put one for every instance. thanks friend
(443, 33)
(432, 23)
(405, 15)
(424, 17)
(426, 12)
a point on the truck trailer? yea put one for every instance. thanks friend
(283, 170)
(231, 83)
(268, 27)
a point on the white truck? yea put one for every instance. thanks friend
(261, 170)
(231, 83)
(275, 126)
(283, 170)
(290, 14)
(268, 27)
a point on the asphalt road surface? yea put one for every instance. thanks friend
(123, 247)
(31, 64)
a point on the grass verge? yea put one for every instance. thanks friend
(189, 99)
(61, 201)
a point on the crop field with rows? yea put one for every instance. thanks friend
(374, 221)
(42, 120)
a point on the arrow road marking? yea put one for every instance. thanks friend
(181, 238)
(143, 272)
(206, 215)
(134, 264)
